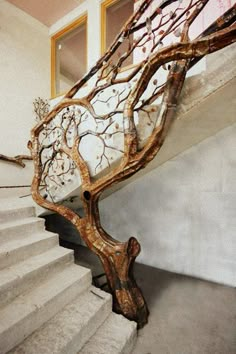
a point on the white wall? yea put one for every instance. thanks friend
(183, 213)
(25, 75)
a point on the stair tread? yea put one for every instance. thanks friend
(27, 240)
(71, 328)
(7, 211)
(19, 270)
(10, 203)
(10, 207)
(116, 335)
(35, 299)
(18, 222)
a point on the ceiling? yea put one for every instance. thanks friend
(46, 11)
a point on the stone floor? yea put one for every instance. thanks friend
(187, 315)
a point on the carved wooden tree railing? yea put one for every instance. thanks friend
(18, 160)
(109, 110)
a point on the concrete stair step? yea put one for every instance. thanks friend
(16, 229)
(29, 311)
(47, 303)
(71, 328)
(15, 213)
(116, 335)
(25, 275)
(18, 250)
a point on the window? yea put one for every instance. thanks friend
(114, 14)
(68, 56)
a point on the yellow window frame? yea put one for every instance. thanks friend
(69, 28)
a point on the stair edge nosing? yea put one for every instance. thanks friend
(12, 335)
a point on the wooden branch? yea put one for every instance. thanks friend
(114, 46)
(18, 160)
(180, 51)
(224, 21)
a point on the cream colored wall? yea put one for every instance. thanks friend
(24, 75)
(183, 212)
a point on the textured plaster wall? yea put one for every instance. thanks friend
(24, 75)
(183, 213)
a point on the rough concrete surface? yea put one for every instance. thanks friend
(187, 315)
(31, 310)
(183, 212)
(47, 304)
(68, 331)
(115, 336)
(21, 277)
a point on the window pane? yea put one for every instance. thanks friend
(71, 59)
(116, 16)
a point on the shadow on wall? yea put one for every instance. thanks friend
(66, 231)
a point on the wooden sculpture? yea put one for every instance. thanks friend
(106, 104)
(18, 160)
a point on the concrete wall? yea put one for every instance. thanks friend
(183, 213)
(24, 75)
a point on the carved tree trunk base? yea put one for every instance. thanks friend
(128, 299)
(117, 259)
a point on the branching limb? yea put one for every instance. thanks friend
(18, 160)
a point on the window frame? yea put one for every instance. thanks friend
(83, 19)
(103, 17)
(104, 6)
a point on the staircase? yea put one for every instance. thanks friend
(47, 303)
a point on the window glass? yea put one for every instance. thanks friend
(69, 57)
(116, 14)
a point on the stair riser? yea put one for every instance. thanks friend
(88, 330)
(125, 348)
(22, 253)
(71, 328)
(16, 214)
(23, 328)
(16, 232)
(32, 279)
(116, 335)
(129, 345)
